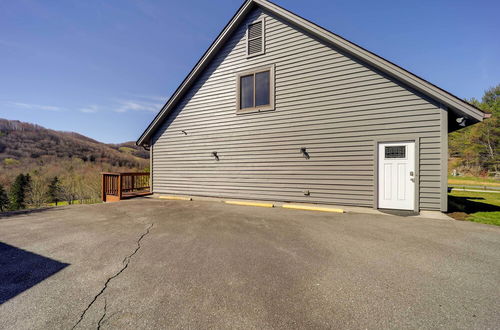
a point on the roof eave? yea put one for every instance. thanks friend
(378, 62)
(450, 101)
(200, 65)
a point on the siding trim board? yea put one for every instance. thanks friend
(151, 146)
(444, 159)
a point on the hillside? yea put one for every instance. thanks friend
(475, 150)
(27, 147)
(130, 148)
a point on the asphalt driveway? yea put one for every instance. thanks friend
(173, 264)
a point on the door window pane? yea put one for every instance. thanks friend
(262, 88)
(246, 93)
(395, 152)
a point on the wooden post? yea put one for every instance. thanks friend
(103, 187)
(120, 186)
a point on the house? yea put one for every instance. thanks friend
(281, 109)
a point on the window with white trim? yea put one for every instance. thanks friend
(255, 90)
(255, 38)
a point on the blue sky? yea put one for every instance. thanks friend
(105, 68)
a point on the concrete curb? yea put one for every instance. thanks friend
(312, 208)
(177, 198)
(243, 203)
(298, 206)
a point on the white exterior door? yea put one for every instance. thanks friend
(396, 175)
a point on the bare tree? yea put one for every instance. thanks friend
(37, 195)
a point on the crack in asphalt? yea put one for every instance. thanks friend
(125, 263)
(103, 314)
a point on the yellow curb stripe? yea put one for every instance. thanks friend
(177, 198)
(311, 208)
(249, 203)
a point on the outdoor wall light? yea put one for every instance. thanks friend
(215, 155)
(305, 153)
(307, 193)
(461, 121)
(184, 132)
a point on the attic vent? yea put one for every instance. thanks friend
(255, 38)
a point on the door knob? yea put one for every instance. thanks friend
(411, 173)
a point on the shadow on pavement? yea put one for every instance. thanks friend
(401, 213)
(28, 211)
(21, 270)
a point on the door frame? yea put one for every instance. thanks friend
(396, 139)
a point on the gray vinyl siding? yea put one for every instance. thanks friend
(325, 101)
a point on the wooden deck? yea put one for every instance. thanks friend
(118, 186)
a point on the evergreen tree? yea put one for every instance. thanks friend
(55, 190)
(27, 182)
(4, 200)
(17, 193)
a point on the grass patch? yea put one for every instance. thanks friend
(473, 181)
(491, 218)
(10, 162)
(474, 206)
(65, 203)
(126, 150)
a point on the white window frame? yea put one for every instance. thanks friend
(260, 108)
(263, 20)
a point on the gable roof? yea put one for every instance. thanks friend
(452, 102)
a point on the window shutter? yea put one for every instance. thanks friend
(255, 35)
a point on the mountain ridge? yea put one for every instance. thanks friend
(26, 147)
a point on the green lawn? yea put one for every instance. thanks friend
(473, 181)
(475, 206)
(491, 218)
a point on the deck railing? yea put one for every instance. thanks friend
(118, 186)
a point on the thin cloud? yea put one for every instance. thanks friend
(32, 106)
(90, 109)
(138, 105)
(151, 97)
